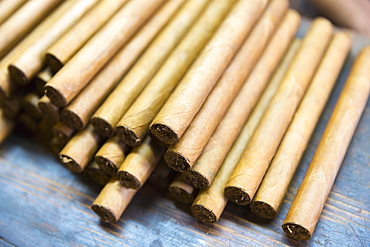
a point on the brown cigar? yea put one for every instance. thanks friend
(306, 208)
(6, 126)
(62, 132)
(271, 192)
(62, 50)
(210, 202)
(184, 103)
(134, 124)
(30, 61)
(77, 114)
(80, 150)
(111, 155)
(12, 105)
(76, 74)
(41, 79)
(29, 124)
(29, 105)
(181, 190)
(97, 174)
(110, 112)
(112, 201)
(56, 145)
(48, 110)
(182, 155)
(162, 176)
(22, 22)
(139, 164)
(256, 158)
(8, 8)
(205, 168)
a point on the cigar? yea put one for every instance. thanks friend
(181, 190)
(183, 104)
(56, 145)
(30, 61)
(162, 176)
(8, 8)
(270, 194)
(41, 79)
(77, 114)
(29, 105)
(80, 150)
(111, 155)
(206, 166)
(62, 132)
(306, 208)
(23, 21)
(110, 112)
(97, 174)
(30, 125)
(211, 201)
(140, 163)
(75, 75)
(48, 110)
(256, 158)
(112, 201)
(11, 106)
(44, 127)
(6, 126)
(182, 155)
(134, 124)
(63, 49)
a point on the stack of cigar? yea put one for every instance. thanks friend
(212, 95)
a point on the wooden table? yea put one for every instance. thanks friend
(44, 204)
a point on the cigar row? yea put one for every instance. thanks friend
(214, 100)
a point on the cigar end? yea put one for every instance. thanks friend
(181, 195)
(71, 119)
(176, 161)
(263, 210)
(49, 111)
(104, 213)
(197, 179)
(17, 75)
(102, 127)
(128, 180)
(128, 136)
(164, 134)
(106, 165)
(56, 97)
(203, 214)
(54, 63)
(98, 176)
(296, 231)
(70, 163)
(237, 195)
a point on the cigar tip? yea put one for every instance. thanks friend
(56, 97)
(164, 134)
(181, 195)
(70, 163)
(237, 195)
(176, 161)
(106, 165)
(129, 180)
(128, 136)
(54, 63)
(49, 110)
(101, 126)
(17, 75)
(196, 179)
(296, 231)
(97, 175)
(71, 119)
(104, 213)
(263, 209)
(203, 214)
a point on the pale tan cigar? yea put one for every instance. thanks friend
(184, 103)
(117, 103)
(140, 163)
(29, 105)
(205, 168)
(29, 62)
(182, 155)
(87, 62)
(134, 124)
(22, 21)
(112, 201)
(306, 208)
(97, 174)
(80, 150)
(111, 155)
(77, 114)
(181, 190)
(257, 156)
(6, 126)
(41, 79)
(62, 132)
(271, 192)
(64, 48)
(48, 110)
(162, 175)
(8, 8)
(210, 202)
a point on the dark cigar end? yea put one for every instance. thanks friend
(296, 231)
(56, 97)
(70, 163)
(203, 214)
(17, 75)
(98, 175)
(237, 195)
(164, 134)
(50, 111)
(176, 161)
(102, 127)
(181, 195)
(128, 180)
(54, 63)
(128, 136)
(106, 165)
(71, 119)
(263, 210)
(104, 213)
(197, 179)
